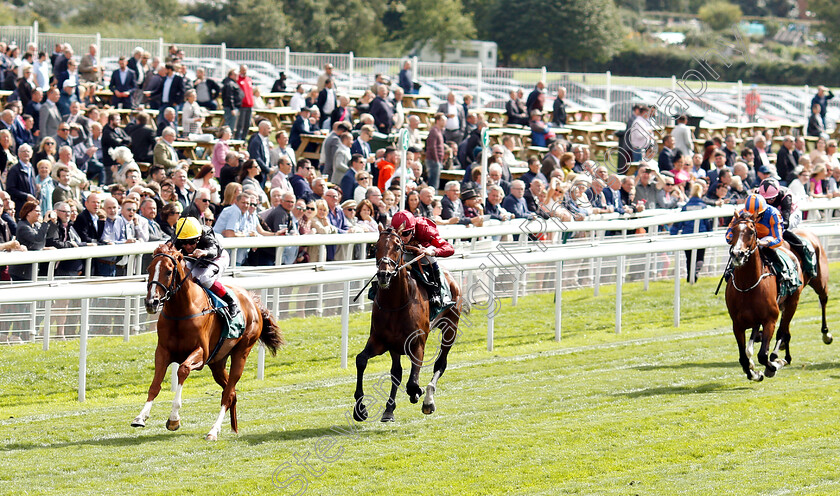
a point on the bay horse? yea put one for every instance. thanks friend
(753, 303)
(188, 331)
(399, 324)
(818, 283)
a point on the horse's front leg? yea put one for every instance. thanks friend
(372, 349)
(767, 331)
(396, 379)
(417, 352)
(194, 361)
(745, 352)
(161, 365)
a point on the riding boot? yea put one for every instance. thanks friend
(804, 250)
(233, 306)
(443, 300)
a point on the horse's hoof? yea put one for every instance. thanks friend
(428, 409)
(388, 417)
(173, 425)
(414, 398)
(827, 338)
(360, 412)
(769, 371)
(138, 422)
(211, 437)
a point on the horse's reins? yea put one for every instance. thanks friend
(388, 261)
(173, 288)
(174, 284)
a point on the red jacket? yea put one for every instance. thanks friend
(426, 233)
(247, 91)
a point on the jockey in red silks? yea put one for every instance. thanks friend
(424, 232)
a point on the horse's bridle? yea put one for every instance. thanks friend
(388, 260)
(174, 284)
(749, 254)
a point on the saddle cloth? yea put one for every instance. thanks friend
(786, 270)
(230, 329)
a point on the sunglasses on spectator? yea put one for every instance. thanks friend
(300, 208)
(311, 209)
(253, 204)
(204, 200)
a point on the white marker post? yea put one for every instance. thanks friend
(485, 141)
(403, 166)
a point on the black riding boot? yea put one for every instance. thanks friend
(804, 250)
(233, 306)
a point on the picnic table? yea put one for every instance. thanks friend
(424, 114)
(494, 116)
(278, 116)
(588, 133)
(585, 115)
(208, 146)
(305, 140)
(187, 148)
(411, 101)
(283, 98)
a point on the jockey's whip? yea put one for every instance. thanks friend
(397, 270)
(725, 270)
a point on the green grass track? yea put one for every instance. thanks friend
(652, 411)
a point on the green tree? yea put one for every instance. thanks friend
(252, 23)
(324, 26)
(828, 13)
(437, 23)
(720, 15)
(591, 31)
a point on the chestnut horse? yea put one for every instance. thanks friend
(753, 303)
(399, 324)
(188, 332)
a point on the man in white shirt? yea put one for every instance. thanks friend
(298, 99)
(41, 70)
(682, 137)
(282, 149)
(455, 119)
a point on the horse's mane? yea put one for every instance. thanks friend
(168, 249)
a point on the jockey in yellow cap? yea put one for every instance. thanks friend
(208, 260)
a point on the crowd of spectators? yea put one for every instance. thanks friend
(73, 175)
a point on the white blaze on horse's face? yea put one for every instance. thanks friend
(743, 244)
(154, 300)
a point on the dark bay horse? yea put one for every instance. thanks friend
(818, 283)
(399, 324)
(188, 331)
(753, 303)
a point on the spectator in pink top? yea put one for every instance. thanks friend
(243, 122)
(220, 150)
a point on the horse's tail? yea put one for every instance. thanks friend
(271, 335)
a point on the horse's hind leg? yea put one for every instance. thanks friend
(449, 332)
(783, 333)
(396, 379)
(237, 366)
(820, 286)
(220, 375)
(192, 362)
(161, 365)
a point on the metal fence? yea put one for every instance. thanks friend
(724, 101)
